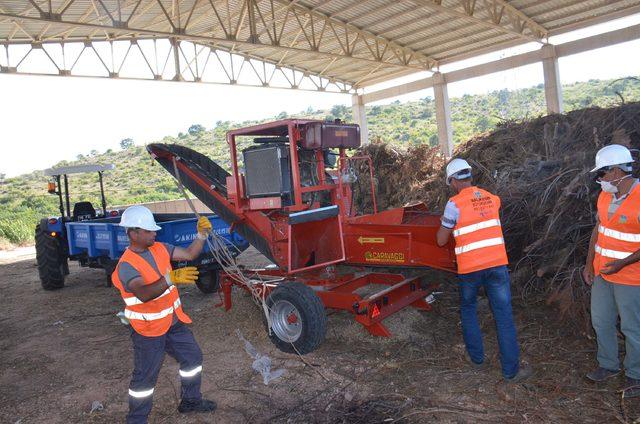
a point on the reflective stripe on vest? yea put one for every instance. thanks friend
(634, 238)
(152, 316)
(478, 232)
(192, 372)
(479, 245)
(615, 254)
(135, 301)
(140, 393)
(618, 237)
(475, 227)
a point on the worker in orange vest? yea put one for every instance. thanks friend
(473, 217)
(612, 268)
(147, 284)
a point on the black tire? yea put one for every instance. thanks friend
(209, 282)
(109, 267)
(301, 303)
(52, 262)
(109, 280)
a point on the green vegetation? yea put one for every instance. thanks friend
(18, 227)
(415, 122)
(24, 199)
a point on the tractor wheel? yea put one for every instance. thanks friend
(109, 267)
(298, 319)
(52, 263)
(209, 282)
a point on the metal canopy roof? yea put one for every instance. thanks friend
(337, 45)
(78, 169)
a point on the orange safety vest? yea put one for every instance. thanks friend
(478, 233)
(618, 237)
(154, 317)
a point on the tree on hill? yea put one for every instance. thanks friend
(195, 129)
(340, 111)
(126, 143)
(482, 123)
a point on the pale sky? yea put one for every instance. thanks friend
(44, 120)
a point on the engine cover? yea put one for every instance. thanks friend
(327, 135)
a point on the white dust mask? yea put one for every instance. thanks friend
(609, 187)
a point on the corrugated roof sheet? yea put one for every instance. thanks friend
(354, 41)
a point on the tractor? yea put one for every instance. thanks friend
(52, 251)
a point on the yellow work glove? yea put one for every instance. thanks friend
(204, 227)
(186, 275)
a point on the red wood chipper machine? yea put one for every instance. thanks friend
(290, 195)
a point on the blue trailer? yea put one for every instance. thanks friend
(93, 237)
(100, 243)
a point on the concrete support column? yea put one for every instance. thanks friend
(443, 114)
(175, 43)
(360, 117)
(552, 86)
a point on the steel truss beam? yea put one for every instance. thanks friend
(270, 31)
(156, 59)
(561, 50)
(497, 14)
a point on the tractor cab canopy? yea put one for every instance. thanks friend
(81, 210)
(77, 169)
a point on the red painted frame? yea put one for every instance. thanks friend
(401, 237)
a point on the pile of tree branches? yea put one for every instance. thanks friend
(540, 169)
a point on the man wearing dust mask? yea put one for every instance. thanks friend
(612, 268)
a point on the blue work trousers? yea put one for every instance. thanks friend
(496, 283)
(149, 352)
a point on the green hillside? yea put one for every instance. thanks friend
(23, 199)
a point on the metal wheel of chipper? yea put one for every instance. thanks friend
(298, 318)
(285, 320)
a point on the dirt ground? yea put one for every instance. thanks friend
(63, 350)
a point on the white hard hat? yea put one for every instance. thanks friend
(139, 217)
(611, 155)
(455, 170)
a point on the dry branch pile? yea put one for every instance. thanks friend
(540, 170)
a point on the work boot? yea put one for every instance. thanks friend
(601, 374)
(477, 366)
(202, 405)
(631, 388)
(525, 371)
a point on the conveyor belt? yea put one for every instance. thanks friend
(216, 177)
